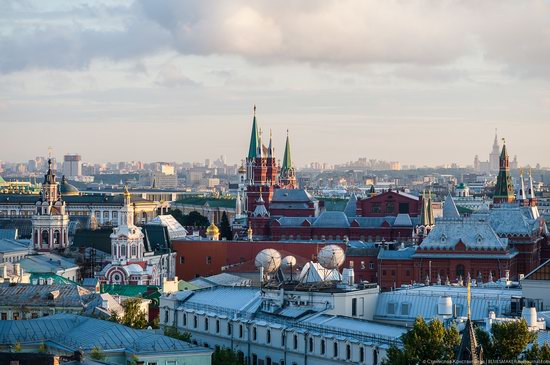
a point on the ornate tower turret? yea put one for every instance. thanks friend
(504, 189)
(127, 239)
(50, 222)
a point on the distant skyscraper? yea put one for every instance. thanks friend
(494, 159)
(72, 165)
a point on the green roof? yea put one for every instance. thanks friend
(185, 285)
(132, 290)
(287, 160)
(212, 202)
(2, 179)
(253, 138)
(57, 279)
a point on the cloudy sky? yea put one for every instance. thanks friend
(421, 82)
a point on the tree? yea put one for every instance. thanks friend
(133, 315)
(225, 228)
(194, 218)
(425, 341)
(42, 348)
(97, 354)
(174, 333)
(506, 341)
(18, 346)
(225, 356)
(538, 354)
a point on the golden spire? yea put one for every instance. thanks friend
(469, 297)
(126, 192)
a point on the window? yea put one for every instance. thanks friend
(4, 316)
(166, 314)
(391, 308)
(361, 354)
(390, 207)
(185, 319)
(371, 265)
(15, 316)
(208, 260)
(182, 259)
(295, 345)
(322, 347)
(268, 361)
(348, 352)
(217, 326)
(134, 250)
(268, 336)
(310, 344)
(229, 329)
(354, 307)
(206, 324)
(241, 331)
(335, 349)
(283, 339)
(405, 309)
(403, 208)
(363, 266)
(195, 322)
(254, 334)
(375, 357)
(123, 250)
(376, 207)
(459, 270)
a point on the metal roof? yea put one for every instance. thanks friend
(9, 245)
(401, 254)
(46, 262)
(77, 332)
(65, 295)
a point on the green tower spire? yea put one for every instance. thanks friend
(287, 160)
(504, 189)
(252, 150)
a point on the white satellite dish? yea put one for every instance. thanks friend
(331, 257)
(268, 259)
(289, 261)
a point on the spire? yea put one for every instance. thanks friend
(287, 160)
(423, 211)
(270, 151)
(469, 351)
(430, 209)
(253, 149)
(449, 208)
(504, 189)
(259, 149)
(531, 191)
(238, 206)
(521, 191)
(126, 195)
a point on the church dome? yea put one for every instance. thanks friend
(212, 230)
(242, 170)
(68, 189)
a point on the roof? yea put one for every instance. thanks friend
(449, 208)
(287, 159)
(223, 279)
(245, 299)
(473, 233)
(507, 220)
(353, 324)
(175, 229)
(542, 272)
(77, 332)
(351, 206)
(402, 254)
(10, 245)
(57, 279)
(291, 195)
(423, 300)
(144, 291)
(67, 295)
(100, 239)
(46, 263)
(403, 220)
(331, 219)
(117, 200)
(8, 233)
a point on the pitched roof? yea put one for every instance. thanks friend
(351, 206)
(473, 233)
(331, 220)
(66, 295)
(287, 159)
(449, 208)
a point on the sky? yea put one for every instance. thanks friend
(420, 82)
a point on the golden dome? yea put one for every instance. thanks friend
(212, 230)
(242, 170)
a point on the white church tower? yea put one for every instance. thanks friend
(127, 239)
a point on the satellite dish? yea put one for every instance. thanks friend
(331, 257)
(289, 261)
(269, 259)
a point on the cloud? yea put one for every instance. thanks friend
(171, 76)
(420, 33)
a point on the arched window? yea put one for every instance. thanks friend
(184, 319)
(229, 329)
(254, 334)
(322, 347)
(459, 270)
(206, 324)
(195, 321)
(241, 331)
(123, 250)
(361, 354)
(134, 250)
(268, 336)
(217, 326)
(335, 349)
(283, 339)
(375, 357)
(310, 344)
(45, 238)
(56, 237)
(295, 342)
(348, 352)
(36, 237)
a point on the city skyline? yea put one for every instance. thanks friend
(409, 82)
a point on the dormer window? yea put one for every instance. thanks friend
(479, 238)
(443, 238)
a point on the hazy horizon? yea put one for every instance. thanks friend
(420, 82)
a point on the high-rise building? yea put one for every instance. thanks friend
(72, 165)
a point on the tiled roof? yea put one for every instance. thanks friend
(291, 195)
(331, 220)
(473, 233)
(449, 208)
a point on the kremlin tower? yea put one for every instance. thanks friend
(504, 189)
(287, 178)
